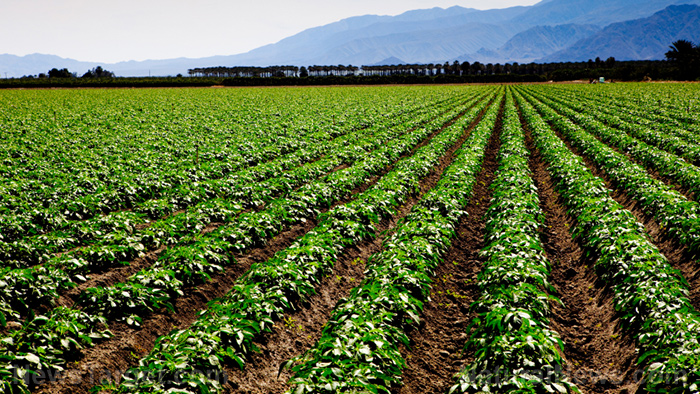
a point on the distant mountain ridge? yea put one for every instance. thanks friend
(640, 39)
(551, 30)
(534, 43)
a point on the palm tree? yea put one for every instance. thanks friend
(686, 56)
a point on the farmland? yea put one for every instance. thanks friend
(397, 239)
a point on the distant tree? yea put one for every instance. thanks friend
(447, 68)
(464, 68)
(515, 68)
(477, 68)
(303, 72)
(497, 68)
(686, 57)
(63, 73)
(98, 72)
(610, 62)
(507, 68)
(598, 62)
(456, 68)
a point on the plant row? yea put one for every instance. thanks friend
(23, 289)
(188, 265)
(105, 229)
(660, 131)
(359, 347)
(514, 348)
(649, 294)
(671, 107)
(67, 234)
(675, 213)
(158, 285)
(657, 148)
(172, 172)
(226, 331)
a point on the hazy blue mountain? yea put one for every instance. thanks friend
(593, 12)
(421, 36)
(533, 44)
(390, 61)
(435, 35)
(640, 39)
(17, 66)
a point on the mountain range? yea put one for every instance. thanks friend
(549, 31)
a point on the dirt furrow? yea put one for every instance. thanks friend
(115, 355)
(122, 273)
(300, 330)
(677, 254)
(652, 172)
(600, 357)
(435, 352)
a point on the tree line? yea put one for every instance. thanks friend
(97, 72)
(686, 56)
(682, 63)
(455, 68)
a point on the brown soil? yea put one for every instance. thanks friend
(677, 254)
(652, 172)
(122, 273)
(600, 357)
(128, 345)
(435, 353)
(300, 330)
(109, 278)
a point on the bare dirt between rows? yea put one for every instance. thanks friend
(435, 351)
(122, 273)
(110, 358)
(652, 172)
(300, 330)
(677, 254)
(600, 357)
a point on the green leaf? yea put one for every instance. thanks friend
(33, 358)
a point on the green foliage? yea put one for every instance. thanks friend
(359, 347)
(271, 288)
(649, 293)
(510, 336)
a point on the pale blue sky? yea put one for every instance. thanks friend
(112, 31)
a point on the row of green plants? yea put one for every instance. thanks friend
(236, 185)
(67, 233)
(24, 289)
(359, 347)
(188, 265)
(650, 296)
(27, 288)
(514, 348)
(131, 185)
(673, 104)
(609, 130)
(158, 285)
(225, 332)
(125, 164)
(659, 131)
(677, 215)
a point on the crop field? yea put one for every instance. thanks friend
(390, 239)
